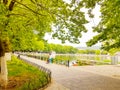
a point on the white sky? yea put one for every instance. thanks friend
(85, 36)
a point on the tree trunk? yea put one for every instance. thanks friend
(0, 65)
(4, 73)
(3, 66)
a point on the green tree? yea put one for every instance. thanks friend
(18, 19)
(38, 46)
(109, 27)
(60, 48)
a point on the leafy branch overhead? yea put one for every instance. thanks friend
(41, 14)
(109, 27)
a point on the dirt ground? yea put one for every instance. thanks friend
(14, 82)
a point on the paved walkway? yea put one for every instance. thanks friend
(82, 77)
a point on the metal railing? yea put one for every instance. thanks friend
(92, 58)
(43, 69)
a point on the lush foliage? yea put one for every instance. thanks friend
(21, 19)
(27, 74)
(31, 44)
(109, 27)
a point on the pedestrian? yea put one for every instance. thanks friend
(50, 57)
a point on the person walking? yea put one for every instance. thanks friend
(50, 58)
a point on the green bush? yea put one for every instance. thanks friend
(107, 60)
(83, 62)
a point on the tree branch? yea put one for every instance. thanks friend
(11, 5)
(32, 1)
(5, 1)
(29, 8)
(15, 14)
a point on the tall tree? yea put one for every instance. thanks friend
(18, 19)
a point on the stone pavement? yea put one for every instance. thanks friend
(56, 86)
(82, 77)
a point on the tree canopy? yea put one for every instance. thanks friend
(109, 27)
(60, 48)
(19, 19)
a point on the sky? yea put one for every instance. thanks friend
(85, 36)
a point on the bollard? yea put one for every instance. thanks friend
(68, 63)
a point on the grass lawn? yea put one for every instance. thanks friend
(23, 76)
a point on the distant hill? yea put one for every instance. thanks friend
(90, 48)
